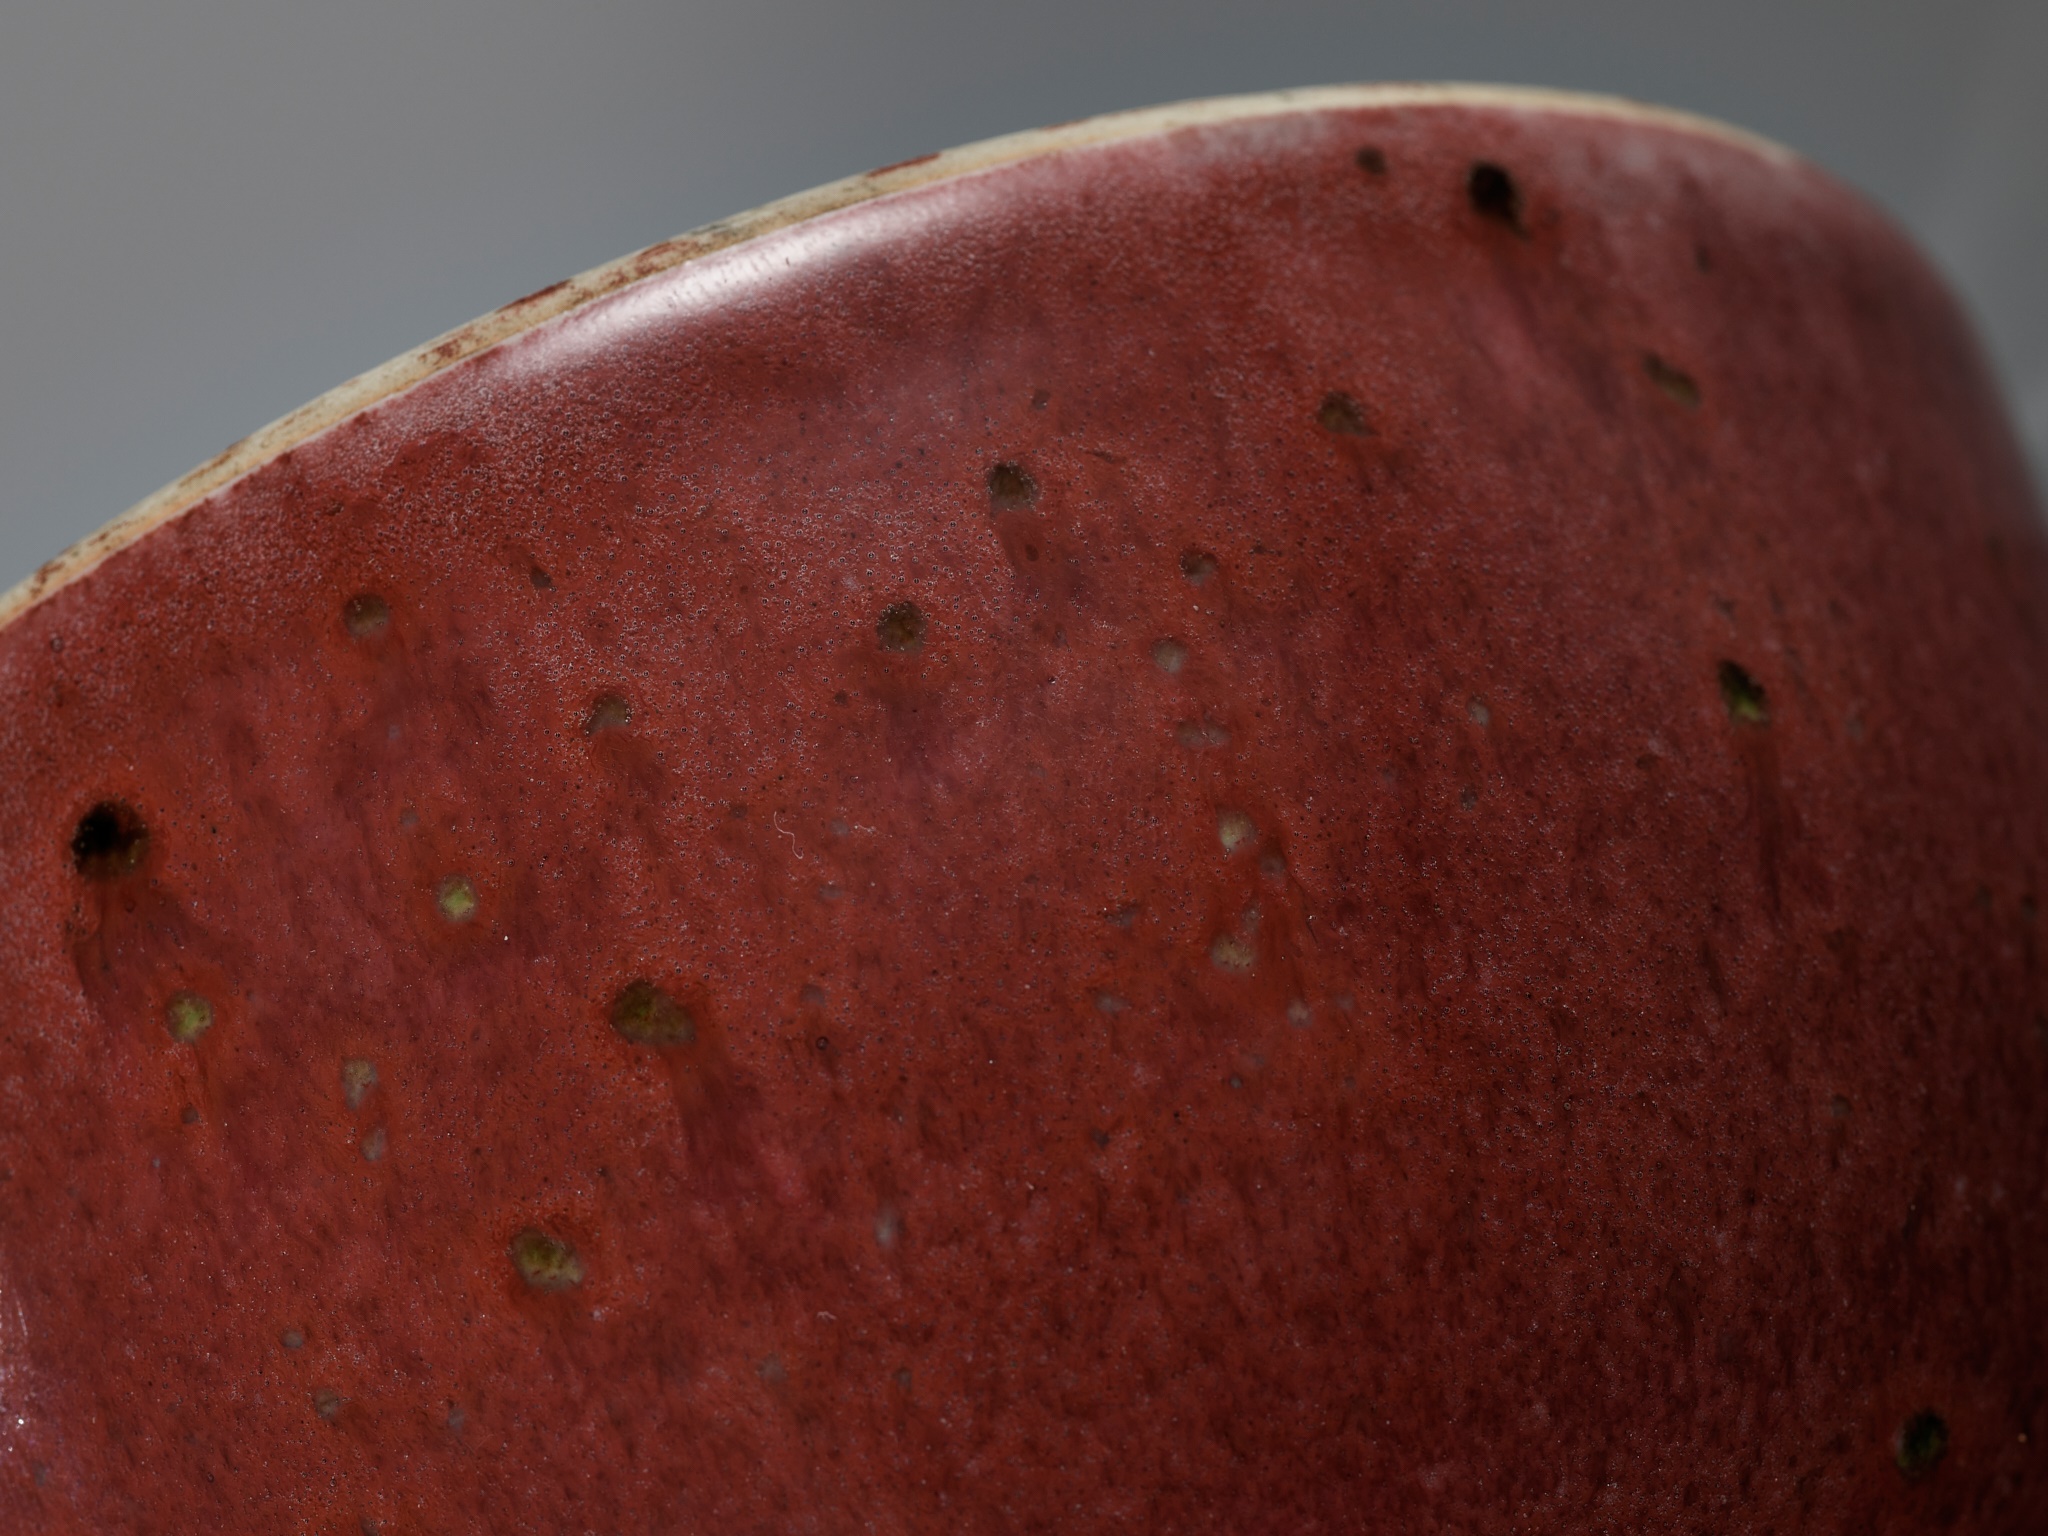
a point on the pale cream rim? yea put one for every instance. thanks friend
(522, 315)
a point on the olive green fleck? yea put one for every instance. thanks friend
(647, 1015)
(546, 1263)
(456, 898)
(188, 1016)
(1743, 695)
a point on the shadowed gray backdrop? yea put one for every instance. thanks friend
(213, 210)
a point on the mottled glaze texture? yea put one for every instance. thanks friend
(1232, 831)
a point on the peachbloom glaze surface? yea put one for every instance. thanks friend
(1329, 822)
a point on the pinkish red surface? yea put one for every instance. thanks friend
(1308, 855)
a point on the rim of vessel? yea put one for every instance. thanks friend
(466, 341)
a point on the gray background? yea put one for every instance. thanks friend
(213, 210)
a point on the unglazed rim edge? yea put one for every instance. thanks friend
(522, 315)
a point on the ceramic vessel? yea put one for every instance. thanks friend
(1315, 813)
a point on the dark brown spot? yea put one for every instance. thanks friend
(646, 1015)
(538, 294)
(546, 1263)
(1198, 565)
(1494, 194)
(1838, 1107)
(327, 1403)
(901, 627)
(1675, 382)
(1009, 486)
(540, 579)
(900, 165)
(1743, 695)
(366, 614)
(1372, 160)
(189, 1115)
(1923, 1441)
(609, 713)
(293, 1339)
(1339, 413)
(110, 840)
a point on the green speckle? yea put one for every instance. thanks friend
(188, 1016)
(1009, 486)
(1743, 695)
(1339, 413)
(1675, 382)
(646, 1015)
(1231, 953)
(901, 627)
(546, 1263)
(1234, 829)
(609, 713)
(366, 614)
(456, 898)
(1923, 1441)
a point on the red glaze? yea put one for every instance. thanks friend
(1303, 989)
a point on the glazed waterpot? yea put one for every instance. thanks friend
(1314, 813)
